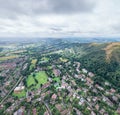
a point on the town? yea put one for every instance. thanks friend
(43, 78)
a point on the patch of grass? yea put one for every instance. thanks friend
(35, 82)
(37, 86)
(30, 81)
(20, 95)
(63, 59)
(41, 77)
(57, 79)
(49, 67)
(8, 57)
(33, 63)
(45, 59)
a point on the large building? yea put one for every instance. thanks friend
(19, 89)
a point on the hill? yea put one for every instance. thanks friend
(111, 49)
(104, 60)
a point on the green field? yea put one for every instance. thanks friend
(8, 57)
(19, 95)
(30, 81)
(41, 77)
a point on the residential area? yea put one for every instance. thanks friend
(38, 80)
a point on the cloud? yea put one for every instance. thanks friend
(12, 8)
(59, 18)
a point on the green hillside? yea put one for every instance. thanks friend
(104, 61)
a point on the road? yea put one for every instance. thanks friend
(47, 107)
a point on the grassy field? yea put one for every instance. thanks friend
(8, 57)
(19, 95)
(33, 63)
(41, 77)
(30, 81)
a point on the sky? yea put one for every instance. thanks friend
(59, 18)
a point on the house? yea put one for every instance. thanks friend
(20, 111)
(88, 99)
(112, 90)
(77, 111)
(56, 72)
(1, 106)
(28, 99)
(99, 87)
(84, 71)
(46, 113)
(46, 85)
(90, 74)
(95, 99)
(118, 110)
(43, 95)
(93, 113)
(89, 81)
(81, 101)
(34, 111)
(102, 111)
(97, 106)
(54, 96)
(65, 112)
(7, 83)
(59, 107)
(64, 85)
(73, 82)
(115, 98)
(107, 83)
(50, 79)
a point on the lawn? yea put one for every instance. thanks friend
(57, 79)
(63, 59)
(49, 67)
(33, 63)
(45, 59)
(8, 57)
(30, 81)
(41, 77)
(19, 95)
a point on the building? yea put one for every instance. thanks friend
(19, 89)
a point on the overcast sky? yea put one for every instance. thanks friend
(59, 18)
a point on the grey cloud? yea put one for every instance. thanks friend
(12, 8)
(72, 6)
(56, 29)
(116, 27)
